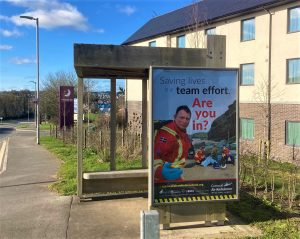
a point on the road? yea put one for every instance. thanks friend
(28, 209)
(6, 129)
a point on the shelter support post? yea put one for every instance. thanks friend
(216, 51)
(79, 136)
(144, 124)
(113, 112)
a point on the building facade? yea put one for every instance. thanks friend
(263, 41)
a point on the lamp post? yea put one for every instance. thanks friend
(38, 77)
(35, 102)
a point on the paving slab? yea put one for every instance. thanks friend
(120, 218)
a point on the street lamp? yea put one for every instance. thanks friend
(35, 101)
(38, 77)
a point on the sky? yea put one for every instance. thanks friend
(61, 24)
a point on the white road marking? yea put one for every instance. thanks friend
(3, 155)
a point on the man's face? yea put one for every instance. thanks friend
(182, 119)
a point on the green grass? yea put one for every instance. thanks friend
(92, 117)
(67, 174)
(45, 126)
(22, 126)
(269, 217)
(274, 223)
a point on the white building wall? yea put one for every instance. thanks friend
(284, 46)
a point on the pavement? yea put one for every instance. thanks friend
(29, 209)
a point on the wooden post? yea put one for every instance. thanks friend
(113, 112)
(144, 124)
(123, 136)
(79, 136)
(100, 138)
(84, 136)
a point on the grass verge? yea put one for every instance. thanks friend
(271, 219)
(274, 223)
(67, 174)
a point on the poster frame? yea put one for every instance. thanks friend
(151, 201)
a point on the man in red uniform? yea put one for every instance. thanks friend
(171, 146)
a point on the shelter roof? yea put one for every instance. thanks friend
(114, 61)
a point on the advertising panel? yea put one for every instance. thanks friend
(66, 106)
(195, 136)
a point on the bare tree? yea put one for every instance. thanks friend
(263, 100)
(196, 21)
(49, 100)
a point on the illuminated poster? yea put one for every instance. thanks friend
(66, 106)
(194, 116)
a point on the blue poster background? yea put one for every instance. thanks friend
(170, 85)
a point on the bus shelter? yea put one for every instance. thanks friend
(133, 62)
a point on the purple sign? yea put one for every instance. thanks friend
(66, 106)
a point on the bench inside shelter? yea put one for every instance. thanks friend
(123, 182)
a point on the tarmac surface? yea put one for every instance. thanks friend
(28, 209)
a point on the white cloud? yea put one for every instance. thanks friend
(4, 18)
(51, 14)
(99, 30)
(7, 33)
(5, 47)
(128, 10)
(22, 61)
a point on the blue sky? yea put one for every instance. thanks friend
(63, 23)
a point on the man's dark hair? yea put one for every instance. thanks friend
(185, 108)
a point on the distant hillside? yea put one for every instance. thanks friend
(224, 126)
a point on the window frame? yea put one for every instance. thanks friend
(288, 20)
(151, 42)
(208, 29)
(286, 133)
(241, 74)
(242, 29)
(177, 40)
(241, 129)
(287, 71)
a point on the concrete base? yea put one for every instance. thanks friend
(120, 218)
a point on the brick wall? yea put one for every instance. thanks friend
(280, 113)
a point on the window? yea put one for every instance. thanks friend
(248, 30)
(152, 44)
(247, 128)
(180, 41)
(210, 31)
(293, 71)
(247, 74)
(292, 133)
(294, 19)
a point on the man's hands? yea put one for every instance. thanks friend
(170, 173)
